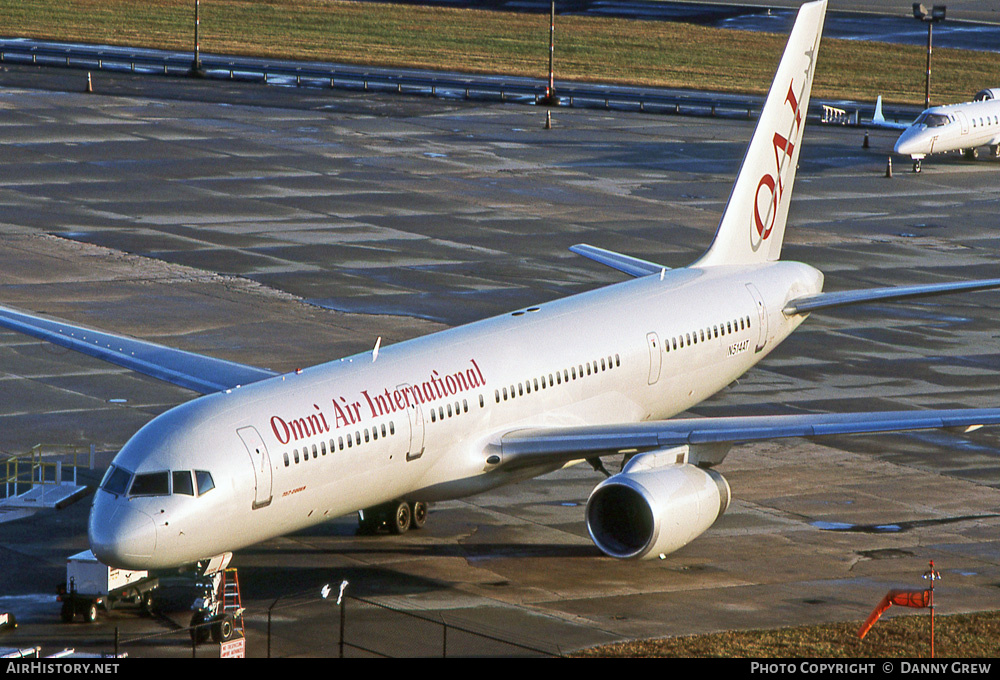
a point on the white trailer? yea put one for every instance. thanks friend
(91, 585)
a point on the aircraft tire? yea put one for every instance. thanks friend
(223, 629)
(199, 633)
(418, 512)
(401, 519)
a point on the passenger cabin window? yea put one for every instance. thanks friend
(151, 484)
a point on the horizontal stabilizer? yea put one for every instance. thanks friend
(812, 303)
(192, 371)
(632, 266)
(550, 446)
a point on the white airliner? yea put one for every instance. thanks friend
(961, 127)
(475, 407)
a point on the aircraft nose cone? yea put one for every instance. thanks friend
(910, 142)
(120, 535)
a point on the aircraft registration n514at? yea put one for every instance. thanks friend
(961, 127)
(501, 400)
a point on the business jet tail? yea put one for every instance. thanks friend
(753, 224)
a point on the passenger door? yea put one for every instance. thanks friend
(655, 357)
(261, 465)
(761, 316)
(415, 417)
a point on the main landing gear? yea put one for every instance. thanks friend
(397, 517)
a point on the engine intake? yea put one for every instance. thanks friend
(643, 513)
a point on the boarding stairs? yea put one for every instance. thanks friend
(40, 480)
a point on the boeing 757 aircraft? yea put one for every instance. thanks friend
(475, 407)
(961, 127)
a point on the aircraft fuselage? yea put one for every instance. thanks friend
(419, 422)
(952, 128)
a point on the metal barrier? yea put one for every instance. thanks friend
(345, 627)
(369, 628)
(401, 81)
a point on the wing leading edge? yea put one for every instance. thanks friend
(197, 372)
(547, 446)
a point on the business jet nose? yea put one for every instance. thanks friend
(911, 142)
(120, 535)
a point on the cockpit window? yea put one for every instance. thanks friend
(151, 484)
(205, 482)
(182, 483)
(932, 119)
(116, 480)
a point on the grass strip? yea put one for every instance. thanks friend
(475, 41)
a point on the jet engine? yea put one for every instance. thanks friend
(648, 510)
(987, 94)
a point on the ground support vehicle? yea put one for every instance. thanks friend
(91, 586)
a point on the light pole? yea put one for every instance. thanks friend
(196, 69)
(550, 91)
(930, 18)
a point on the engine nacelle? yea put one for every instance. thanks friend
(646, 512)
(987, 94)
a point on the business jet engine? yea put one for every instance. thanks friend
(987, 94)
(653, 508)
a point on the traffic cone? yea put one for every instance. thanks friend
(548, 120)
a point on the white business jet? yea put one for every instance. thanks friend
(961, 127)
(479, 406)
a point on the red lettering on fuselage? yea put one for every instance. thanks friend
(386, 402)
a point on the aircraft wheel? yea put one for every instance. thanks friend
(995, 150)
(419, 514)
(916, 166)
(972, 154)
(199, 633)
(223, 629)
(401, 519)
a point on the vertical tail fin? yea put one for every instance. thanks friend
(753, 224)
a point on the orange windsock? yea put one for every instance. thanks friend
(902, 598)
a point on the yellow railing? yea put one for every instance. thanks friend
(23, 472)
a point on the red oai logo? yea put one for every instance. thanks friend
(770, 187)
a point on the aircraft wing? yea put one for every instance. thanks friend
(541, 446)
(196, 372)
(812, 303)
